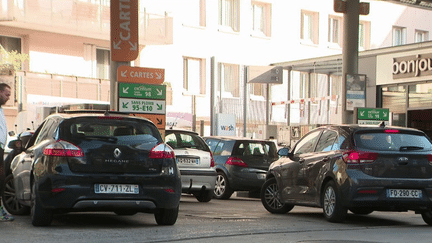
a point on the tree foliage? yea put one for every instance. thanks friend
(11, 61)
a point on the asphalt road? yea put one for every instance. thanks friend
(239, 220)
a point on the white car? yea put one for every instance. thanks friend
(195, 161)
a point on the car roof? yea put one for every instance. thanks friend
(96, 113)
(356, 127)
(230, 138)
(180, 131)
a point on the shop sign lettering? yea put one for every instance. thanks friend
(412, 66)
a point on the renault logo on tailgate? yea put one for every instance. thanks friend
(117, 153)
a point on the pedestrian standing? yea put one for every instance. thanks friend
(5, 92)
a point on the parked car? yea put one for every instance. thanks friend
(195, 161)
(97, 161)
(9, 200)
(353, 167)
(241, 163)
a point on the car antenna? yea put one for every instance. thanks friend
(382, 124)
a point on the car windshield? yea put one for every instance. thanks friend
(185, 140)
(393, 141)
(108, 130)
(256, 149)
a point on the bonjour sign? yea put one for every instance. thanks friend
(412, 66)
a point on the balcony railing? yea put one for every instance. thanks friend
(90, 19)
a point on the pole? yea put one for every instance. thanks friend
(349, 51)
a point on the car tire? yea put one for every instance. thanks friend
(9, 199)
(427, 217)
(203, 196)
(361, 211)
(166, 216)
(332, 205)
(222, 188)
(39, 216)
(271, 200)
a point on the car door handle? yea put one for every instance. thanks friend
(301, 161)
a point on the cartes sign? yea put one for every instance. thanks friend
(124, 30)
(142, 106)
(140, 75)
(144, 91)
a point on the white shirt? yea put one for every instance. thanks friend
(3, 129)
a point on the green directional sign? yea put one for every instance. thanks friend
(142, 91)
(381, 114)
(142, 106)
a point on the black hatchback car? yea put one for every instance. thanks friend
(97, 161)
(241, 163)
(353, 167)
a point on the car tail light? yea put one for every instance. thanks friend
(429, 157)
(161, 151)
(391, 131)
(212, 162)
(367, 192)
(359, 157)
(236, 161)
(63, 148)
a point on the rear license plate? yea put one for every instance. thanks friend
(116, 188)
(187, 161)
(404, 193)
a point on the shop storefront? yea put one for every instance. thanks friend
(398, 78)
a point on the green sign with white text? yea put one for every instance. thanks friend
(142, 91)
(380, 114)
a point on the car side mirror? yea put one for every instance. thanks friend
(283, 152)
(15, 144)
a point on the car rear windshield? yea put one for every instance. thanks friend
(185, 140)
(255, 148)
(119, 130)
(392, 140)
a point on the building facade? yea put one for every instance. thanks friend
(205, 48)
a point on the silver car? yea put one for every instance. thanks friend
(195, 161)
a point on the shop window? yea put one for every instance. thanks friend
(399, 36)
(420, 95)
(229, 15)
(394, 98)
(421, 36)
(194, 75)
(309, 27)
(230, 80)
(103, 63)
(261, 18)
(196, 14)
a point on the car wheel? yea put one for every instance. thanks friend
(427, 217)
(40, 216)
(361, 211)
(270, 198)
(125, 212)
(165, 216)
(222, 189)
(203, 196)
(9, 199)
(332, 206)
